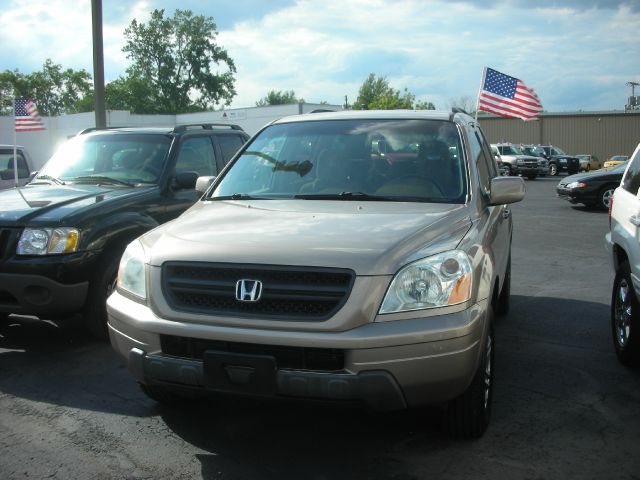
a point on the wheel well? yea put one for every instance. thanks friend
(619, 256)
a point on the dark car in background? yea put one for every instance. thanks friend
(559, 161)
(62, 235)
(593, 189)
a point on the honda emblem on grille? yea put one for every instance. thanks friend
(248, 290)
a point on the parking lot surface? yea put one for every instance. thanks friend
(563, 406)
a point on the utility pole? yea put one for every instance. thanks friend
(98, 64)
(634, 102)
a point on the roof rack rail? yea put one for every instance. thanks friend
(321, 110)
(94, 129)
(205, 126)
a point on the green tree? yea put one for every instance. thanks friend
(278, 98)
(54, 90)
(177, 66)
(376, 94)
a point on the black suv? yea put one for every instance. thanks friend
(559, 161)
(62, 235)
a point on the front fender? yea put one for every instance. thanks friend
(121, 228)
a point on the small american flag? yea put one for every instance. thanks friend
(27, 116)
(508, 96)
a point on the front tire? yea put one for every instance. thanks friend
(468, 415)
(100, 287)
(625, 317)
(605, 195)
(553, 170)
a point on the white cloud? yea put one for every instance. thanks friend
(324, 49)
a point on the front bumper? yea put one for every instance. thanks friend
(387, 365)
(39, 295)
(586, 196)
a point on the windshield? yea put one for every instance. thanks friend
(122, 159)
(386, 160)
(557, 151)
(533, 151)
(508, 150)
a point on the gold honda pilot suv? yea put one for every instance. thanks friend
(344, 256)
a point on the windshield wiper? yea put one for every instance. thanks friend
(49, 178)
(346, 196)
(238, 196)
(100, 179)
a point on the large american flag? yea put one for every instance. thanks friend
(27, 116)
(508, 96)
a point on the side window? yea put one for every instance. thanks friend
(631, 180)
(492, 166)
(478, 157)
(197, 155)
(229, 144)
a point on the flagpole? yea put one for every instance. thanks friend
(15, 146)
(484, 75)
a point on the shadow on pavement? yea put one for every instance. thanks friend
(63, 365)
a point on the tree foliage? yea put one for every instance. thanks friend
(176, 66)
(376, 94)
(54, 90)
(278, 98)
(465, 102)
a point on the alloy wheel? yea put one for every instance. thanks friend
(606, 197)
(622, 312)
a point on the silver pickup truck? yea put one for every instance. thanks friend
(7, 172)
(318, 265)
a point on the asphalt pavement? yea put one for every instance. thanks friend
(563, 406)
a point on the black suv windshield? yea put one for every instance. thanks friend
(112, 158)
(385, 160)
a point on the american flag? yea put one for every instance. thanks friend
(27, 116)
(508, 97)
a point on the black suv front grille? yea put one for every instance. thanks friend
(296, 358)
(288, 293)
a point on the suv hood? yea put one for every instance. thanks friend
(53, 203)
(519, 157)
(372, 238)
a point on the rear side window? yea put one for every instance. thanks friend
(229, 145)
(631, 180)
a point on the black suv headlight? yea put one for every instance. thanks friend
(48, 241)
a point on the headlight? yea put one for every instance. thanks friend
(573, 185)
(519, 161)
(444, 279)
(131, 274)
(563, 160)
(48, 241)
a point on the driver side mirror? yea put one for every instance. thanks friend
(184, 180)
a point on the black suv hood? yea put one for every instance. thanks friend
(54, 203)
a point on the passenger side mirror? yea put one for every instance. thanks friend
(203, 183)
(184, 180)
(506, 190)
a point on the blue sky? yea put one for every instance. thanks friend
(576, 54)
